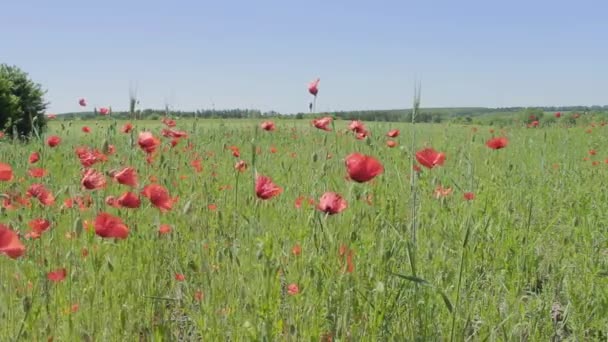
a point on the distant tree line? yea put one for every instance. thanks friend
(472, 115)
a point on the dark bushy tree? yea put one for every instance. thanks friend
(22, 103)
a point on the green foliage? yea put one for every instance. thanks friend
(531, 114)
(22, 103)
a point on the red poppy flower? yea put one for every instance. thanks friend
(92, 180)
(323, 123)
(362, 135)
(148, 142)
(126, 176)
(9, 243)
(108, 226)
(34, 157)
(180, 277)
(164, 229)
(497, 143)
(441, 192)
(37, 172)
(172, 133)
(558, 115)
(127, 128)
(300, 200)
(430, 158)
(356, 126)
(331, 203)
(469, 196)
(267, 125)
(393, 133)
(197, 164)
(112, 202)
(104, 111)
(57, 275)
(158, 196)
(129, 200)
(592, 152)
(53, 141)
(82, 102)
(265, 188)
(240, 166)
(313, 87)
(6, 172)
(39, 225)
(41, 193)
(391, 143)
(88, 157)
(86, 129)
(362, 168)
(293, 289)
(296, 250)
(235, 151)
(168, 122)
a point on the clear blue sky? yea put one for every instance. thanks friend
(261, 54)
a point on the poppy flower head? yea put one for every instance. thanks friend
(44, 196)
(158, 196)
(92, 180)
(34, 157)
(240, 166)
(313, 87)
(86, 129)
(6, 172)
(108, 226)
(469, 196)
(53, 141)
(39, 225)
(57, 276)
(323, 123)
(558, 115)
(362, 168)
(293, 289)
(126, 176)
(82, 102)
(104, 111)
(127, 128)
(441, 192)
(9, 243)
(393, 133)
(391, 143)
(497, 143)
(356, 126)
(332, 203)
(168, 122)
(265, 188)
(268, 126)
(129, 200)
(148, 142)
(430, 158)
(173, 133)
(164, 229)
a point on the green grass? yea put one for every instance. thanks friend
(533, 242)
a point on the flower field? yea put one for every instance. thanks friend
(295, 230)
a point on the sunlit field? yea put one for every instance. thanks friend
(496, 244)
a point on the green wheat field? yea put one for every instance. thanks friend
(523, 258)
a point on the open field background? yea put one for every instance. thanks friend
(527, 259)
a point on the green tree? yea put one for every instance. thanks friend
(22, 104)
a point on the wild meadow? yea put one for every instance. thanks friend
(288, 230)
